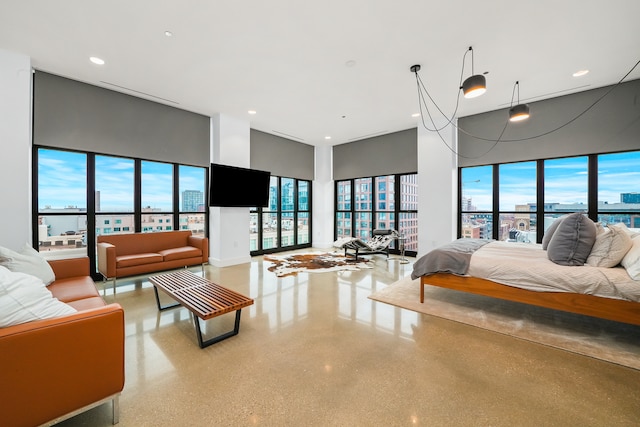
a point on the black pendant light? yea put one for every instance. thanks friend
(475, 85)
(520, 111)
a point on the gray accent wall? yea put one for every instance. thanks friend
(613, 124)
(281, 156)
(75, 115)
(381, 155)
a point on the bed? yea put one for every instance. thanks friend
(523, 272)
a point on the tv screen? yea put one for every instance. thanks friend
(232, 186)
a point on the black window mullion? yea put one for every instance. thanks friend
(495, 220)
(176, 198)
(91, 213)
(592, 188)
(137, 196)
(540, 201)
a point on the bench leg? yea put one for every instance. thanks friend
(166, 307)
(206, 343)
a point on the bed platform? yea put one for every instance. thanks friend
(589, 305)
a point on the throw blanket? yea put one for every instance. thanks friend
(452, 258)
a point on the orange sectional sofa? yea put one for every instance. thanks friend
(55, 368)
(121, 255)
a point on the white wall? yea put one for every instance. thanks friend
(437, 188)
(323, 198)
(229, 227)
(15, 141)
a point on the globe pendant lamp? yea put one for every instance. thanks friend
(520, 111)
(475, 85)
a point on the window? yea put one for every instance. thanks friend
(286, 222)
(381, 202)
(603, 186)
(82, 195)
(192, 199)
(619, 188)
(61, 201)
(476, 202)
(517, 201)
(566, 187)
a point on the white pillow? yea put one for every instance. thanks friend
(29, 261)
(631, 261)
(611, 245)
(631, 232)
(24, 298)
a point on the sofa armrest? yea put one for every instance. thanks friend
(201, 243)
(106, 259)
(70, 267)
(55, 366)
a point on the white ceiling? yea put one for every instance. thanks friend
(336, 68)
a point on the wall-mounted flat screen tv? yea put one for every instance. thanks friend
(232, 186)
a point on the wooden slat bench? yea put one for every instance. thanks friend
(203, 298)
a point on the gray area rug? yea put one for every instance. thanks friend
(601, 339)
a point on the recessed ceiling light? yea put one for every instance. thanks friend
(96, 60)
(580, 73)
(415, 115)
(252, 111)
(168, 33)
(327, 137)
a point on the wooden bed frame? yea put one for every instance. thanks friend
(589, 305)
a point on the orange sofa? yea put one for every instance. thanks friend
(53, 369)
(121, 255)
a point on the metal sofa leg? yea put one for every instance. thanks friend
(115, 407)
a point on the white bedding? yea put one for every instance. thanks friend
(525, 265)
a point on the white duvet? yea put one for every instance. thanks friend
(525, 265)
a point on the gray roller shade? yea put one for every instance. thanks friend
(74, 115)
(281, 156)
(381, 155)
(613, 124)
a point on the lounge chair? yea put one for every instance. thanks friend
(378, 244)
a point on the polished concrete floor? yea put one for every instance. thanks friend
(313, 350)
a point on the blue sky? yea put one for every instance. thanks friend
(62, 181)
(565, 181)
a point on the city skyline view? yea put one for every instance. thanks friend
(62, 182)
(565, 181)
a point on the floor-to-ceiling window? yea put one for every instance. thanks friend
(80, 195)
(380, 202)
(518, 201)
(285, 223)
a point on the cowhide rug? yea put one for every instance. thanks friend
(314, 262)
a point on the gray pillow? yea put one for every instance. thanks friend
(572, 240)
(548, 234)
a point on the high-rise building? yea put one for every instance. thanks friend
(630, 197)
(192, 201)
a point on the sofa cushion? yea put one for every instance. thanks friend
(137, 259)
(180, 253)
(87, 303)
(29, 261)
(74, 289)
(573, 240)
(25, 298)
